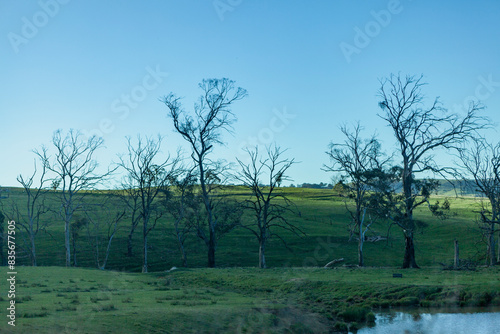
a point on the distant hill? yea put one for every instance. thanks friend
(457, 187)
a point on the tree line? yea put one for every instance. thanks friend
(375, 185)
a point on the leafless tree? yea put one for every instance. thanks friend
(268, 203)
(75, 170)
(419, 131)
(361, 166)
(148, 179)
(130, 196)
(29, 219)
(480, 162)
(106, 216)
(212, 117)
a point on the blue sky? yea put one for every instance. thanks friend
(103, 65)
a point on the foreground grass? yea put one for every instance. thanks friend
(235, 300)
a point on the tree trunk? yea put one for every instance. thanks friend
(498, 255)
(33, 250)
(409, 258)
(184, 257)
(74, 251)
(211, 248)
(181, 248)
(108, 248)
(262, 255)
(67, 244)
(145, 250)
(129, 244)
(361, 261)
(456, 263)
(491, 245)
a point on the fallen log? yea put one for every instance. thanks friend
(331, 263)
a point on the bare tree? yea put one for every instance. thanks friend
(148, 179)
(30, 218)
(104, 216)
(480, 162)
(361, 165)
(130, 196)
(419, 130)
(268, 203)
(212, 117)
(75, 168)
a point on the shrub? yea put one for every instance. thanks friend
(355, 314)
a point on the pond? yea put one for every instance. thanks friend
(465, 321)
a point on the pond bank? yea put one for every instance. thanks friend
(349, 298)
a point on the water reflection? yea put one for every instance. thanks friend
(437, 323)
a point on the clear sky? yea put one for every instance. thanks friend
(308, 66)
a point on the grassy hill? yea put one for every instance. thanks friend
(323, 217)
(294, 296)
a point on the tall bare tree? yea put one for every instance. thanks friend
(29, 219)
(212, 117)
(75, 170)
(361, 166)
(420, 130)
(106, 215)
(268, 203)
(480, 161)
(148, 178)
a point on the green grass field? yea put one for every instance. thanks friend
(323, 218)
(234, 300)
(296, 295)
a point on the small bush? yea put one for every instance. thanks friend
(66, 308)
(34, 315)
(408, 301)
(23, 299)
(105, 308)
(355, 314)
(370, 318)
(340, 326)
(98, 299)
